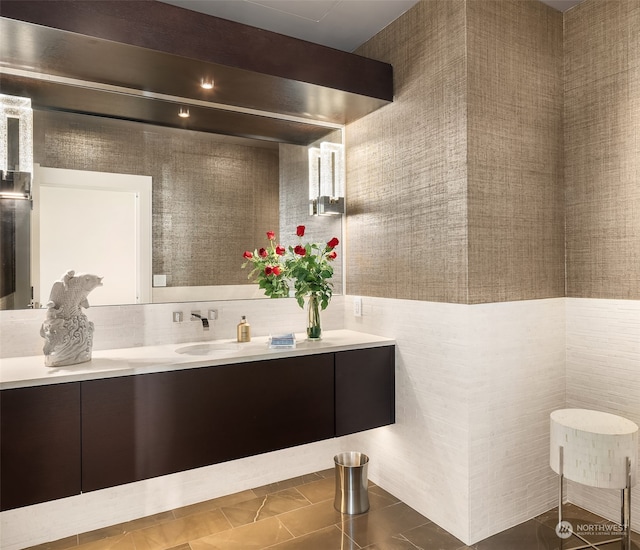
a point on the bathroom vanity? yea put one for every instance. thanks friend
(134, 414)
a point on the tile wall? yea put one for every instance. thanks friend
(603, 373)
(475, 387)
(152, 324)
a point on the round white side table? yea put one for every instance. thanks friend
(597, 449)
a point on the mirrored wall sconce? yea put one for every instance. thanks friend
(326, 179)
(16, 146)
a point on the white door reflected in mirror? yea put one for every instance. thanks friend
(95, 222)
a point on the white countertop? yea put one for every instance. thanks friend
(21, 372)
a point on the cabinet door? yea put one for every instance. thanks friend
(365, 389)
(143, 426)
(39, 444)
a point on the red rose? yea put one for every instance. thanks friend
(332, 255)
(300, 250)
(300, 231)
(268, 270)
(280, 250)
(333, 243)
(276, 270)
(262, 252)
(247, 255)
(271, 235)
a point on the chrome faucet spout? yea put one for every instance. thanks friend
(205, 321)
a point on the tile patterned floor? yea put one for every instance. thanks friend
(298, 514)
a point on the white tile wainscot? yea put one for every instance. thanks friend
(603, 373)
(474, 389)
(151, 324)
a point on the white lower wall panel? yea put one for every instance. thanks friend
(603, 373)
(475, 387)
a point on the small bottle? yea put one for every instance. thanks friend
(244, 330)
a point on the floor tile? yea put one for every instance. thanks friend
(147, 521)
(100, 534)
(259, 508)
(253, 536)
(285, 484)
(207, 505)
(379, 498)
(179, 531)
(379, 525)
(590, 526)
(432, 536)
(311, 518)
(118, 542)
(298, 514)
(60, 544)
(531, 535)
(323, 489)
(571, 512)
(329, 538)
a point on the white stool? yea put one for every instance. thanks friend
(596, 449)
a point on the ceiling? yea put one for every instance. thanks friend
(340, 24)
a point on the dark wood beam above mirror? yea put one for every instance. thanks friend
(161, 53)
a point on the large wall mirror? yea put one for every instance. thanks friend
(106, 88)
(213, 196)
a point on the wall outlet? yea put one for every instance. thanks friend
(213, 314)
(177, 316)
(357, 306)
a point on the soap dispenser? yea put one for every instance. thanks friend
(244, 330)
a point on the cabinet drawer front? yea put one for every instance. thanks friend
(150, 425)
(365, 389)
(39, 444)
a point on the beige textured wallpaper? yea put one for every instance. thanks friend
(515, 197)
(455, 190)
(406, 164)
(213, 196)
(602, 149)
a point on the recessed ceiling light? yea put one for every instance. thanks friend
(183, 113)
(206, 83)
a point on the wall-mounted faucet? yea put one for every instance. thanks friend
(205, 322)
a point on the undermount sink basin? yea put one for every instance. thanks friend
(222, 348)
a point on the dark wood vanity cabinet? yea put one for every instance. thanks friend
(137, 427)
(365, 389)
(63, 439)
(39, 444)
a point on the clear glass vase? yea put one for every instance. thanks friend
(314, 330)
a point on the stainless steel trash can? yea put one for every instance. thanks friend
(352, 492)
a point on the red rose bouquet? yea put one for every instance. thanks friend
(306, 267)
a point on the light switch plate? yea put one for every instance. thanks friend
(357, 306)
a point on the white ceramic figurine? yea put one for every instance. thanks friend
(67, 332)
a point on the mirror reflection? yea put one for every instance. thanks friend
(213, 197)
